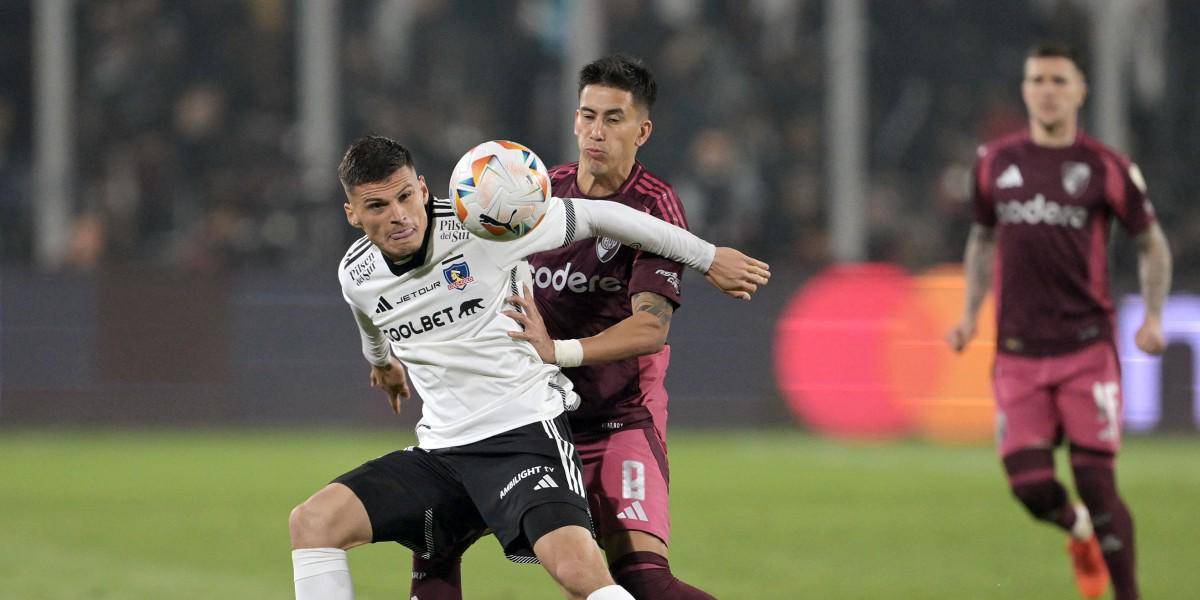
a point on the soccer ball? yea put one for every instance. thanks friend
(499, 190)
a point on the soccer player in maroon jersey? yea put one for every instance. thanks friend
(602, 313)
(1044, 200)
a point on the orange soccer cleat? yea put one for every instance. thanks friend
(1091, 575)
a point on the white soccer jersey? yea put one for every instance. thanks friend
(439, 312)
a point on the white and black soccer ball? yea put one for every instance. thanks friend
(499, 189)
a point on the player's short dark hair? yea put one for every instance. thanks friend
(623, 72)
(372, 158)
(1057, 50)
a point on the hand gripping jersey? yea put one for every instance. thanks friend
(1052, 209)
(438, 312)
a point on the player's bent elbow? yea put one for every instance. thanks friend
(652, 341)
(651, 347)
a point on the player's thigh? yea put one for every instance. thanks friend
(627, 477)
(1089, 398)
(1026, 416)
(414, 499)
(509, 474)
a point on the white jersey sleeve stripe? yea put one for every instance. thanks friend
(569, 206)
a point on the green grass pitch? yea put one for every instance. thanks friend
(757, 515)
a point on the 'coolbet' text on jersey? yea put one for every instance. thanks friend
(597, 277)
(1052, 209)
(439, 312)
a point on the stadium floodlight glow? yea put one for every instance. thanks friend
(859, 353)
(1141, 373)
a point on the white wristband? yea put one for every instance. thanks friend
(568, 353)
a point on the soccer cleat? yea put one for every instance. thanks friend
(1091, 575)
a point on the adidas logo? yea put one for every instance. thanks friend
(634, 512)
(546, 482)
(383, 305)
(1010, 178)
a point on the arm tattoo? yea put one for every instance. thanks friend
(654, 304)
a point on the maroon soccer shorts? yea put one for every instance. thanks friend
(626, 475)
(1040, 399)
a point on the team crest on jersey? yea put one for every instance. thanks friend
(458, 275)
(1075, 177)
(607, 248)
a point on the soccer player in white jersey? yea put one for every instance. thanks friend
(619, 322)
(494, 448)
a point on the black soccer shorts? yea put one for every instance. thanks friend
(438, 502)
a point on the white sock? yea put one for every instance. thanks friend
(322, 574)
(610, 592)
(1082, 529)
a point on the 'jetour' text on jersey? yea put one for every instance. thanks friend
(1038, 210)
(576, 282)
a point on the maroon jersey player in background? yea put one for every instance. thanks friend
(602, 313)
(1044, 200)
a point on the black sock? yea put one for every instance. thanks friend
(648, 576)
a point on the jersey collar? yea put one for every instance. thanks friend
(634, 174)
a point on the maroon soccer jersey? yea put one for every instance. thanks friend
(584, 288)
(1052, 209)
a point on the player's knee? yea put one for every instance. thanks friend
(579, 570)
(311, 526)
(300, 523)
(559, 535)
(1043, 498)
(575, 562)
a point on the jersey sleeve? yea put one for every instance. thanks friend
(1125, 192)
(571, 219)
(983, 203)
(640, 231)
(375, 346)
(653, 273)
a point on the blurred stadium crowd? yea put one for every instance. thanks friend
(186, 117)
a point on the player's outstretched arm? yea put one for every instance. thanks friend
(1154, 274)
(643, 332)
(977, 264)
(726, 268)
